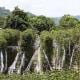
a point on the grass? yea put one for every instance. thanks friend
(50, 75)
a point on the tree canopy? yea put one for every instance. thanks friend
(41, 23)
(17, 20)
(68, 21)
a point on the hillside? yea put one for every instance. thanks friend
(4, 12)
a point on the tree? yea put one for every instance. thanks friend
(46, 47)
(68, 21)
(27, 44)
(17, 20)
(41, 23)
(27, 39)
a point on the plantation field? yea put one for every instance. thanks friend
(51, 75)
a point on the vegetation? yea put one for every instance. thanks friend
(10, 35)
(3, 42)
(54, 75)
(47, 43)
(41, 23)
(2, 19)
(28, 39)
(17, 20)
(21, 29)
(68, 21)
(27, 43)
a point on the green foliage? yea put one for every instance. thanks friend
(46, 39)
(47, 44)
(64, 36)
(41, 23)
(10, 35)
(17, 20)
(68, 39)
(3, 42)
(21, 20)
(2, 19)
(27, 44)
(27, 41)
(68, 21)
(20, 13)
(53, 75)
(28, 38)
(58, 35)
